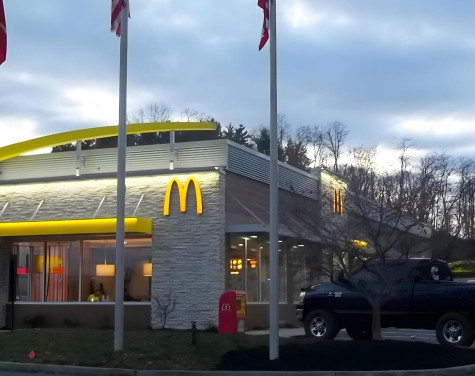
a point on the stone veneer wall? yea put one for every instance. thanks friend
(187, 249)
(188, 257)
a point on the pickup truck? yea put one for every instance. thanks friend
(411, 293)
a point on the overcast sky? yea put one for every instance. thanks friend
(387, 69)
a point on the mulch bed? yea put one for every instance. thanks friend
(350, 356)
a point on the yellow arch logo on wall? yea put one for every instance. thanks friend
(183, 193)
(13, 150)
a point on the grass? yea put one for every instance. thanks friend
(145, 349)
(173, 350)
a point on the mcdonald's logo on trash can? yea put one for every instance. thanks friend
(226, 307)
(183, 193)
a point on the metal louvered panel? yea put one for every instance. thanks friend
(211, 154)
(200, 154)
(248, 163)
(147, 160)
(98, 163)
(38, 166)
(255, 166)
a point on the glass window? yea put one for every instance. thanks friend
(29, 271)
(248, 267)
(98, 270)
(137, 276)
(47, 271)
(81, 270)
(337, 201)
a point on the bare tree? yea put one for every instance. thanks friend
(466, 188)
(312, 135)
(282, 135)
(360, 173)
(166, 305)
(400, 198)
(192, 114)
(153, 113)
(335, 135)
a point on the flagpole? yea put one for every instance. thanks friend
(273, 197)
(121, 150)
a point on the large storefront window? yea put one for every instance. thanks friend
(248, 267)
(81, 270)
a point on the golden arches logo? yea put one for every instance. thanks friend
(183, 193)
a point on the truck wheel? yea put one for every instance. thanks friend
(321, 325)
(359, 333)
(455, 329)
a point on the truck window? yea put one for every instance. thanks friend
(433, 272)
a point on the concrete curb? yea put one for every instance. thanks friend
(468, 370)
(68, 370)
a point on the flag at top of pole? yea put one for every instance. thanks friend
(116, 11)
(264, 4)
(119, 24)
(269, 33)
(3, 34)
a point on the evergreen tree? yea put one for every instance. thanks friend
(239, 135)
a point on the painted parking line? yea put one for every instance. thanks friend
(410, 337)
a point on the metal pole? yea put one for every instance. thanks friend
(12, 286)
(245, 265)
(121, 149)
(274, 201)
(172, 150)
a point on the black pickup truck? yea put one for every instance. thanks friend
(412, 293)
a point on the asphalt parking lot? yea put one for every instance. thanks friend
(420, 335)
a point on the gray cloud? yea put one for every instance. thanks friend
(371, 64)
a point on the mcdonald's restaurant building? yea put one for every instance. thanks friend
(191, 233)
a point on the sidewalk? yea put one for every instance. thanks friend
(74, 370)
(283, 332)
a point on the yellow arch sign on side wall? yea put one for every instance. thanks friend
(13, 150)
(182, 193)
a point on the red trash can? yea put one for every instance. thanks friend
(232, 312)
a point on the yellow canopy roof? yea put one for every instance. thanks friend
(75, 227)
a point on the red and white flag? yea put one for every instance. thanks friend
(3, 34)
(264, 4)
(116, 13)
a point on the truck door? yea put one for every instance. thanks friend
(396, 305)
(433, 293)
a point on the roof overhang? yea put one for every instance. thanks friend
(76, 227)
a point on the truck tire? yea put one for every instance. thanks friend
(321, 324)
(455, 329)
(359, 332)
